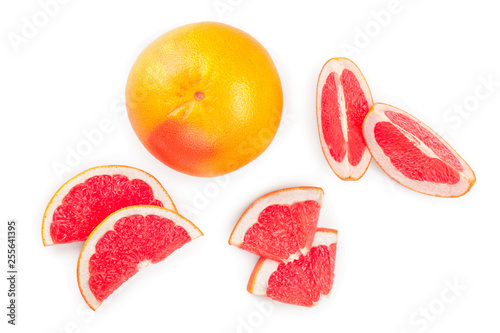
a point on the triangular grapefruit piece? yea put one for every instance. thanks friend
(280, 225)
(302, 281)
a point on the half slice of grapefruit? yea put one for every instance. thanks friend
(343, 99)
(414, 155)
(89, 197)
(126, 241)
(302, 281)
(280, 225)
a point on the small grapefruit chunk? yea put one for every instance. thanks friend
(302, 281)
(280, 225)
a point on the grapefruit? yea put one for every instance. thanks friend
(89, 197)
(126, 241)
(343, 99)
(414, 155)
(302, 281)
(280, 225)
(205, 98)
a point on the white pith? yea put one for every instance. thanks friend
(261, 282)
(283, 197)
(89, 247)
(144, 263)
(418, 143)
(325, 237)
(131, 173)
(267, 267)
(342, 169)
(376, 115)
(343, 108)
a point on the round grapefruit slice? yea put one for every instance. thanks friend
(89, 197)
(343, 99)
(126, 241)
(280, 225)
(302, 281)
(414, 155)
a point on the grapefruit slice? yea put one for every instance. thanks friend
(343, 99)
(414, 155)
(86, 199)
(302, 281)
(126, 241)
(280, 225)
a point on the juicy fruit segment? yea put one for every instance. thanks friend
(356, 106)
(302, 281)
(125, 242)
(133, 240)
(197, 106)
(414, 155)
(427, 137)
(281, 224)
(330, 119)
(354, 110)
(90, 202)
(409, 159)
(343, 100)
(87, 199)
(306, 216)
(282, 230)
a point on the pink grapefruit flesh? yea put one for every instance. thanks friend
(414, 155)
(343, 100)
(88, 198)
(126, 241)
(281, 224)
(302, 281)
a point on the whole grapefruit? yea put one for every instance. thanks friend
(205, 98)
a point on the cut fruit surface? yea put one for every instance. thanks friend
(88, 198)
(414, 155)
(280, 225)
(126, 241)
(302, 281)
(343, 99)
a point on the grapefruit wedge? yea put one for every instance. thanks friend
(89, 197)
(302, 281)
(343, 99)
(280, 225)
(414, 155)
(126, 241)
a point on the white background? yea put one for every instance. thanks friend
(397, 248)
